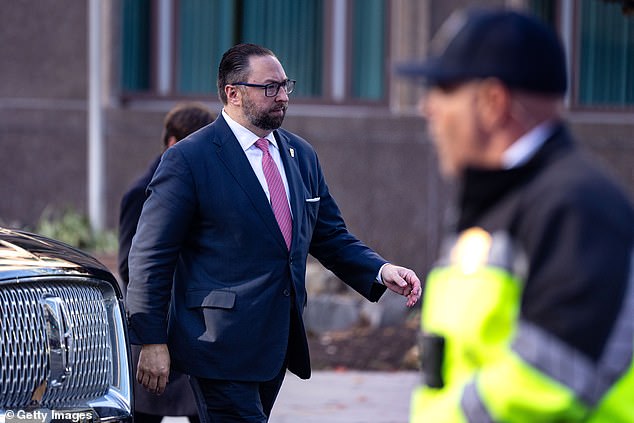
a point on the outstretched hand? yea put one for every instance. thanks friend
(403, 281)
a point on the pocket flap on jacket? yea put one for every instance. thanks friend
(218, 299)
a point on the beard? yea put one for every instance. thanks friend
(264, 119)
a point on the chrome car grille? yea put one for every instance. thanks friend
(54, 343)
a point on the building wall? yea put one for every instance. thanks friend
(42, 107)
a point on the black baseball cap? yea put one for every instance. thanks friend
(518, 49)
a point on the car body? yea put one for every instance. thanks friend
(63, 336)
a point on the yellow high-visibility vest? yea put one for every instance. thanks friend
(482, 363)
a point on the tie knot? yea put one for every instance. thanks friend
(262, 144)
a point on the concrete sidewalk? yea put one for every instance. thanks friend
(345, 397)
(342, 397)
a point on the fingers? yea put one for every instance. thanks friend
(153, 368)
(413, 288)
(152, 383)
(415, 291)
(413, 298)
(403, 281)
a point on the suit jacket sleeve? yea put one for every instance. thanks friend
(162, 228)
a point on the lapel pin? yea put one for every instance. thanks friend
(292, 151)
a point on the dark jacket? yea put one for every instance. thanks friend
(129, 213)
(576, 227)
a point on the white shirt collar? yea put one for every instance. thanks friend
(527, 145)
(245, 137)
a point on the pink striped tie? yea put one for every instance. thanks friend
(279, 202)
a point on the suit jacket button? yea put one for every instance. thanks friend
(286, 292)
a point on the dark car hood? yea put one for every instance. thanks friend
(26, 255)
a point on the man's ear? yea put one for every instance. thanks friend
(494, 103)
(234, 95)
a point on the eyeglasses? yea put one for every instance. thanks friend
(272, 89)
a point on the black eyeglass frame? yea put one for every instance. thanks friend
(288, 84)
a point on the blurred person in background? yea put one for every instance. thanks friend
(528, 314)
(178, 399)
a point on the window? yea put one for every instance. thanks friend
(173, 47)
(136, 48)
(368, 49)
(606, 55)
(205, 30)
(602, 44)
(293, 30)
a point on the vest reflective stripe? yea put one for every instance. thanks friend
(554, 358)
(472, 405)
(589, 381)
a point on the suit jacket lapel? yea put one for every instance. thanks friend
(231, 154)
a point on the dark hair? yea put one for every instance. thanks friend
(184, 119)
(234, 65)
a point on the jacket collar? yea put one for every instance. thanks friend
(482, 188)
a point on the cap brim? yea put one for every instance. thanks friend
(413, 69)
(429, 71)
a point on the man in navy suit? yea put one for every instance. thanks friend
(178, 399)
(212, 239)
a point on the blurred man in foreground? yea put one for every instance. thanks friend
(528, 315)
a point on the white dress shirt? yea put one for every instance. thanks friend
(527, 145)
(247, 141)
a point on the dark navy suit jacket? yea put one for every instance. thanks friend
(208, 230)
